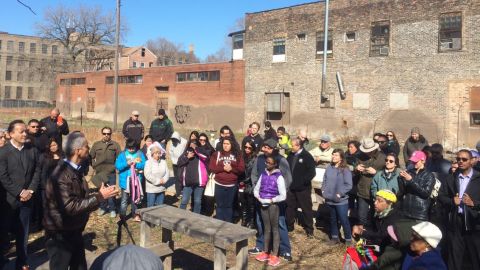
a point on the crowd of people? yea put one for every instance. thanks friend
(421, 213)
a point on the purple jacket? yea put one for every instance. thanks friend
(271, 186)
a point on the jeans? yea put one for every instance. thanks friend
(18, 222)
(154, 199)
(126, 198)
(66, 250)
(282, 224)
(339, 213)
(224, 197)
(197, 198)
(109, 205)
(365, 211)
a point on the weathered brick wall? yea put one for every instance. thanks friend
(414, 66)
(209, 105)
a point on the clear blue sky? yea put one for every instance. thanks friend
(204, 23)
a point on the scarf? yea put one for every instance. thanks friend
(136, 188)
(384, 213)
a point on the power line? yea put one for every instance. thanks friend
(27, 6)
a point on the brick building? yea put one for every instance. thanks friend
(28, 67)
(196, 96)
(402, 64)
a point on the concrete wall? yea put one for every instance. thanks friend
(410, 87)
(191, 105)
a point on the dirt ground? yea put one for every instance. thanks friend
(101, 235)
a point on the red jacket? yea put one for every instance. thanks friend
(218, 160)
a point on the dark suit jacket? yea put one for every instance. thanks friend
(471, 215)
(303, 170)
(16, 175)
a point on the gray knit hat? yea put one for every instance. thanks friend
(415, 130)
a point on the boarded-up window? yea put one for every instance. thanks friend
(8, 92)
(277, 107)
(19, 92)
(91, 100)
(162, 98)
(30, 93)
(475, 98)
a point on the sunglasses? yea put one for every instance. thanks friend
(107, 134)
(248, 147)
(462, 159)
(381, 142)
(389, 160)
(136, 115)
(34, 126)
(324, 142)
(202, 140)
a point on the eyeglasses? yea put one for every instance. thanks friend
(107, 134)
(389, 160)
(324, 142)
(248, 147)
(459, 159)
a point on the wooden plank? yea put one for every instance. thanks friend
(220, 259)
(145, 230)
(241, 250)
(161, 250)
(207, 229)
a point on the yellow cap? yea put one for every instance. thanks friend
(387, 195)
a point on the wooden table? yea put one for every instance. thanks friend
(209, 230)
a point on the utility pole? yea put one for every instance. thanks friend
(115, 82)
(323, 96)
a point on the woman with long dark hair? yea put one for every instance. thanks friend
(208, 203)
(48, 161)
(392, 145)
(245, 190)
(336, 185)
(228, 166)
(194, 135)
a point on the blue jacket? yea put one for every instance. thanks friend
(336, 181)
(430, 260)
(123, 168)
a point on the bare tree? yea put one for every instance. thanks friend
(170, 53)
(78, 29)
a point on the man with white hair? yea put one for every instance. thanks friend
(55, 125)
(68, 205)
(133, 128)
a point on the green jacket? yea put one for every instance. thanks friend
(365, 182)
(392, 257)
(103, 156)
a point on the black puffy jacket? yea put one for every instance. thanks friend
(415, 194)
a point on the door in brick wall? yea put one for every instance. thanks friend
(90, 99)
(161, 98)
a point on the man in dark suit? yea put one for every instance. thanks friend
(460, 196)
(302, 166)
(55, 126)
(19, 177)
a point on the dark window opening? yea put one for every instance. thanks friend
(302, 36)
(279, 46)
(201, 76)
(320, 44)
(450, 32)
(351, 36)
(380, 39)
(130, 79)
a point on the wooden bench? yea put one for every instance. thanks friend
(219, 233)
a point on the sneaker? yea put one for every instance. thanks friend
(254, 251)
(273, 260)
(287, 256)
(101, 212)
(113, 214)
(262, 257)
